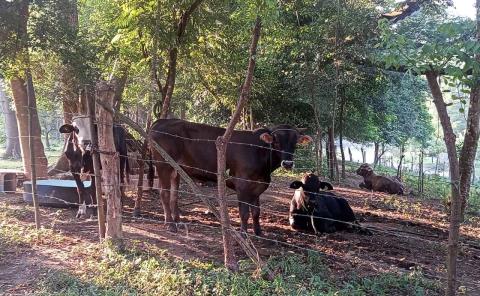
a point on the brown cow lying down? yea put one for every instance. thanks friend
(375, 182)
(320, 211)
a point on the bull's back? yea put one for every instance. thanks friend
(190, 144)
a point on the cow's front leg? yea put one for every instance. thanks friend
(244, 215)
(174, 183)
(255, 209)
(82, 195)
(164, 175)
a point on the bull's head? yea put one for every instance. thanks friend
(284, 139)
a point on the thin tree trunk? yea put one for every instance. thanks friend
(375, 154)
(332, 156)
(12, 149)
(342, 111)
(172, 59)
(402, 156)
(456, 200)
(221, 144)
(350, 156)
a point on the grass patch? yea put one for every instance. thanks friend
(14, 230)
(146, 270)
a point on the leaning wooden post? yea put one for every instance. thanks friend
(110, 164)
(31, 143)
(96, 166)
(221, 144)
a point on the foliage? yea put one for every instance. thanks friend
(137, 272)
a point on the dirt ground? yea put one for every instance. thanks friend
(407, 234)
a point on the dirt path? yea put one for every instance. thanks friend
(410, 234)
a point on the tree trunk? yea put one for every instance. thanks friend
(172, 58)
(456, 200)
(221, 144)
(20, 96)
(402, 156)
(350, 156)
(375, 154)
(110, 164)
(12, 149)
(331, 152)
(342, 111)
(318, 152)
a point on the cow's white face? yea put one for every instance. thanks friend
(83, 134)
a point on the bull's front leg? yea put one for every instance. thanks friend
(244, 214)
(255, 210)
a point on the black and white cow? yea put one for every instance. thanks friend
(319, 211)
(78, 151)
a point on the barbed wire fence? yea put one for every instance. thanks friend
(275, 188)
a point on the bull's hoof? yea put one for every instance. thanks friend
(136, 212)
(171, 227)
(257, 231)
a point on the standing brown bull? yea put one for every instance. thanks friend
(251, 157)
(375, 182)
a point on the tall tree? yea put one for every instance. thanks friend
(18, 69)
(12, 149)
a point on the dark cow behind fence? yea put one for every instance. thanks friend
(251, 158)
(320, 211)
(376, 182)
(79, 154)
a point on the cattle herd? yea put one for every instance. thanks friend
(251, 158)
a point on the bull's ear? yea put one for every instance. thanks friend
(267, 138)
(304, 139)
(296, 185)
(66, 128)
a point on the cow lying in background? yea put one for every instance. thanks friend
(320, 212)
(375, 182)
(80, 159)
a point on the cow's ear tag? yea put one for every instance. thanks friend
(304, 139)
(66, 129)
(296, 185)
(267, 138)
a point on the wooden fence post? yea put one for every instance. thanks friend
(110, 164)
(33, 162)
(97, 178)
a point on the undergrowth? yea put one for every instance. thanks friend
(147, 272)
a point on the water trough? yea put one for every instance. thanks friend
(54, 193)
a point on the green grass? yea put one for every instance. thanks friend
(141, 273)
(52, 156)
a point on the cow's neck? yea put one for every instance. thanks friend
(274, 160)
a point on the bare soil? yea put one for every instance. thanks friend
(407, 234)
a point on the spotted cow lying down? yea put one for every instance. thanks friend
(312, 210)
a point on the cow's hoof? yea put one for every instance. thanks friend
(136, 212)
(171, 227)
(258, 232)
